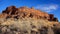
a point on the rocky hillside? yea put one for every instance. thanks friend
(26, 20)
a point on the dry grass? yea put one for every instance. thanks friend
(27, 24)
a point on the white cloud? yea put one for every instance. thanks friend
(47, 8)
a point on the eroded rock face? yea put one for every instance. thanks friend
(12, 11)
(52, 18)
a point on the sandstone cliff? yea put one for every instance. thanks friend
(26, 20)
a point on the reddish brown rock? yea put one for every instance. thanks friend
(51, 17)
(14, 12)
(3, 15)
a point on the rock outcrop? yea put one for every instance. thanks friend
(26, 20)
(12, 11)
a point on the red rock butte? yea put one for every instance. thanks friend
(22, 12)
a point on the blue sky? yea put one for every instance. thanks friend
(49, 6)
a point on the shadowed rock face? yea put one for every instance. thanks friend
(52, 18)
(23, 21)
